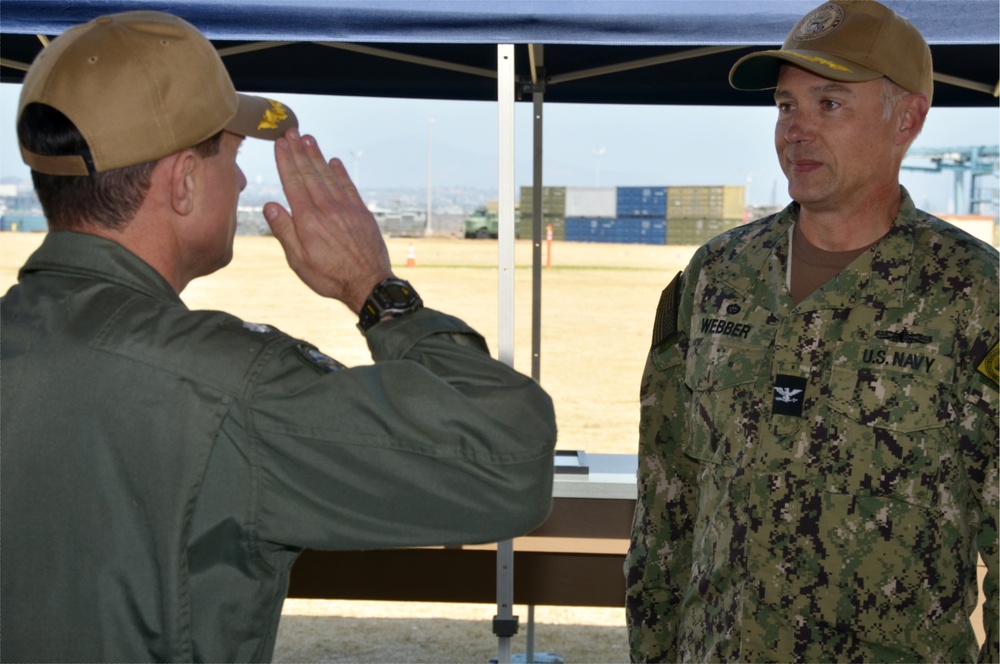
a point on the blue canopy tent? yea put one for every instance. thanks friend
(569, 51)
(639, 51)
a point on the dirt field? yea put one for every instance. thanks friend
(322, 631)
(598, 302)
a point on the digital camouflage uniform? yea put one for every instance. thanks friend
(816, 481)
(163, 468)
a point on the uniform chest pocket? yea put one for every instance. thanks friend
(891, 409)
(725, 412)
(891, 388)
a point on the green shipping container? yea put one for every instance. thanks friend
(697, 231)
(524, 227)
(709, 202)
(553, 212)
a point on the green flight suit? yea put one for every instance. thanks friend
(816, 481)
(162, 468)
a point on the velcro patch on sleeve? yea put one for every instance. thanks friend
(990, 365)
(665, 325)
(317, 359)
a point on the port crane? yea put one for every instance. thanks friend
(977, 194)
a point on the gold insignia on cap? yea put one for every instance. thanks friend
(273, 116)
(821, 61)
(818, 23)
(990, 366)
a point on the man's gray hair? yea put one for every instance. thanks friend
(892, 94)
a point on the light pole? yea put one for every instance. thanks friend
(747, 178)
(357, 167)
(598, 153)
(430, 142)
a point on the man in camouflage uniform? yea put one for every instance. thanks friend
(818, 438)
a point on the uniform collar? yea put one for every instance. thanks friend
(876, 278)
(757, 265)
(86, 255)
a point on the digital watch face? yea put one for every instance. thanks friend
(395, 295)
(393, 298)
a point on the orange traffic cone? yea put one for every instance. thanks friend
(411, 259)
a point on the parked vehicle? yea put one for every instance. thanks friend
(482, 224)
(485, 223)
(400, 223)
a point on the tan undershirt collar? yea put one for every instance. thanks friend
(812, 267)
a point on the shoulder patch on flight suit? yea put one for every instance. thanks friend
(990, 366)
(316, 359)
(665, 325)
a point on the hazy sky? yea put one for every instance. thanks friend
(642, 145)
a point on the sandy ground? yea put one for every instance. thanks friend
(439, 633)
(598, 302)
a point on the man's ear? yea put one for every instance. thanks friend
(913, 112)
(182, 182)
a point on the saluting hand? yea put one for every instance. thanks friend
(330, 239)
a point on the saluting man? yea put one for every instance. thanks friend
(162, 467)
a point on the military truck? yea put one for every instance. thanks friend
(482, 224)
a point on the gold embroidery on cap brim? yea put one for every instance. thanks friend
(273, 116)
(822, 61)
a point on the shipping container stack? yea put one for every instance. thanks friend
(696, 214)
(590, 214)
(635, 215)
(553, 212)
(642, 213)
(628, 215)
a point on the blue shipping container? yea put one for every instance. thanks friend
(621, 231)
(642, 202)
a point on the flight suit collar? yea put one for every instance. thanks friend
(86, 255)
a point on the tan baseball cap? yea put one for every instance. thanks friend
(140, 86)
(847, 40)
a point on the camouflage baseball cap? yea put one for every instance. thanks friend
(140, 86)
(845, 40)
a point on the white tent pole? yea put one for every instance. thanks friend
(505, 622)
(505, 194)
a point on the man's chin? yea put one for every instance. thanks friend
(222, 262)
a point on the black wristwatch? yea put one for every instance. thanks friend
(391, 297)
